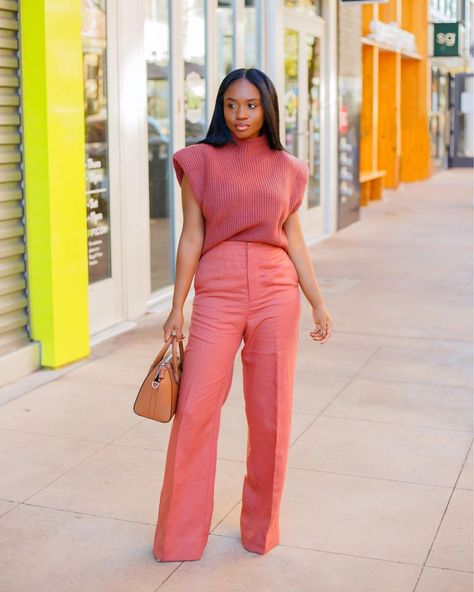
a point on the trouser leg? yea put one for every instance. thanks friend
(187, 495)
(268, 359)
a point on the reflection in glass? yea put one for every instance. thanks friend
(437, 121)
(94, 38)
(252, 49)
(158, 97)
(464, 115)
(291, 91)
(225, 38)
(314, 119)
(311, 7)
(194, 70)
(444, 9)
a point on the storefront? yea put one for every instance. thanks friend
(350, 91)
(395, 143)
(451, 84)
(140, 78)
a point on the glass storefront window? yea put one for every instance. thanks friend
(158, 97)
(464, 93)
(437, 120)
(291, 91)
(302, 99)
(312, 7)
(194, 41)
(313, 57)
(443, 9)
(251, 23)
(225, 38)
(94, 38)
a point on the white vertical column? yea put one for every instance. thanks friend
(132, 169)
(239, 33)
(178, 127)
(330, 146)
(272, 46)
(212, 83)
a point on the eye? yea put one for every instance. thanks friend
(230, 105)
(252, 105)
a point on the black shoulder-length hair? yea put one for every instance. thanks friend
(219, 134)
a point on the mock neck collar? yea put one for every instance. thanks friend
(257, 143)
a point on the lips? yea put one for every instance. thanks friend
(241, 127)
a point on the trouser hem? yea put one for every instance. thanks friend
(258, 548)
(179, 550)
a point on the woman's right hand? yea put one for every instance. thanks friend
(175, 321)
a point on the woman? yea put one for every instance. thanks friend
(242, 237)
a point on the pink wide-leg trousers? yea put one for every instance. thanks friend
(243, 290)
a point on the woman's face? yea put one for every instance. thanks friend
(243, 111)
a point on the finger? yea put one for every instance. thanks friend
(327, 336)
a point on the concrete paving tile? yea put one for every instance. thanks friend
(48, 551)
(385, 520)
(405, 403)
(381, 450)
(30, 461)
(149, 434)
(453, 547)
(466, 478)
(444, 580)
(6, 506)
(432, 344)
(126, 484)
(380, 310)
(112, 371)
(313, 392)
(456, 322)
(333, 357)
(227, 566)
(421, 366)
(70, 410)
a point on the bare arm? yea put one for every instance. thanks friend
(187, 257)
(301, 257)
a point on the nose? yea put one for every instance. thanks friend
(241, 113)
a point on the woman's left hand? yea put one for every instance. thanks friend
(324, 325)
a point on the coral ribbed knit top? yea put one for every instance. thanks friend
(246, 190)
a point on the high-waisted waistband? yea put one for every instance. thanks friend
(245, 269)
(243, 244)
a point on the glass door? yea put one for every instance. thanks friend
(157, 51)
(304, 105)
(103, 232)
(461, 113)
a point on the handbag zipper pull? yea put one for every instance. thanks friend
(160, 374)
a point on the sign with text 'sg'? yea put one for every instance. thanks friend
(446, 39)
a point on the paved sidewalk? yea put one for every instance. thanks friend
(378, 494)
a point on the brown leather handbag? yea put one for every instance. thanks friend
(158, 395)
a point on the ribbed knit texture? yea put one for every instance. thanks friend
(246, 191)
